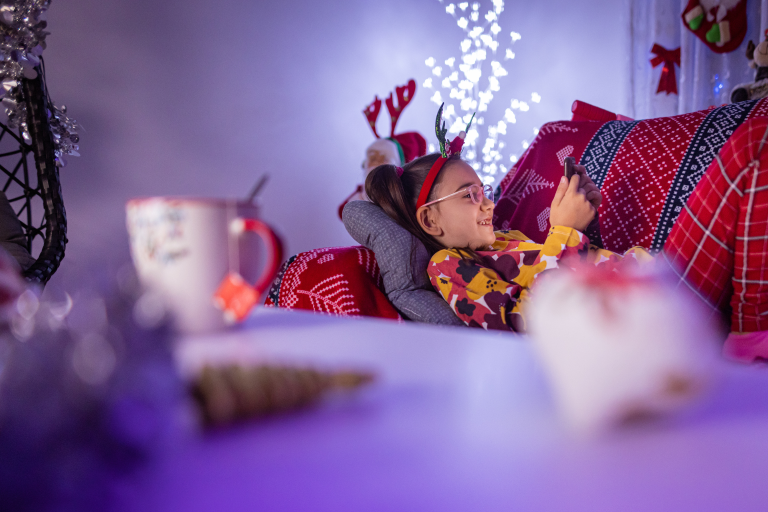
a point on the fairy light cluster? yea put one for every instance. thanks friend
(459, 83)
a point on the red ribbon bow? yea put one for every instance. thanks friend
(668, 80)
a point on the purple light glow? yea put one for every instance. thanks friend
(201, 98)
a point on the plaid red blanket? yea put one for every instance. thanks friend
(719, 243)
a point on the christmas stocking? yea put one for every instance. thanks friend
(720, 24)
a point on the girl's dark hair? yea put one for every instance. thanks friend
(397, 196)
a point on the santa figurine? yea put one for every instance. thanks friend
(396, 149)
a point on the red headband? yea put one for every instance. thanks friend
(454, 148)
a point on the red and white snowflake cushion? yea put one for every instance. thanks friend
(343, 281)
(646, 170)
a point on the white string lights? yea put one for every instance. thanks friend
(464, 91)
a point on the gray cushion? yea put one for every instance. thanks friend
(402, 260)
(11, 234)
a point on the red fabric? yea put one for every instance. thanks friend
(640, 178)
(634, 189)
(583, 111)
(413, 145)
(670, 58)
(343, 281)
(719, 243)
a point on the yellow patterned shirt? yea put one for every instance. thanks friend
(493, 293)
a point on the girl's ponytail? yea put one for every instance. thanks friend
(397, 195)
(385, 189)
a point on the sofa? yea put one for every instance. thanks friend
(646, 171)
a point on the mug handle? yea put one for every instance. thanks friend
(274, 250)
(236, 297)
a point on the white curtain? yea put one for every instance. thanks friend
(701, 73)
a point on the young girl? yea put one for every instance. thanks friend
(485, 275)
(718, 243)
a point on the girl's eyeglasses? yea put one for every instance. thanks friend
(476, 193)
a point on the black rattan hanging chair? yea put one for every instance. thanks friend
(32, 183)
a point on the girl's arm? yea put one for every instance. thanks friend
(572, 250)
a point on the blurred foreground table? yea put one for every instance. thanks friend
(458, 419)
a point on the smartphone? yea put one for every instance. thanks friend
(568, 164)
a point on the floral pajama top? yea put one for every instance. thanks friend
(493, 294)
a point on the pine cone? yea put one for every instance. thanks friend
(226, 394)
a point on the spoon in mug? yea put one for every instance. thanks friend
(257, 188)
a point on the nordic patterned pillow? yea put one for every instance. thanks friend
(402, 260)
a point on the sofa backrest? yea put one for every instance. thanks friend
(646, 170)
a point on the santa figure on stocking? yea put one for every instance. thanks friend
(720, 24)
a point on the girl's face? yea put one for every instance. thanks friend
(457, 222)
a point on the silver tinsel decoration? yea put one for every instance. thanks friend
(22, 26)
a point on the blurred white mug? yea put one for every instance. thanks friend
(192, 252)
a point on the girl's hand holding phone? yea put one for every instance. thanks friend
(588, 186)
(585, 182)
(570, 207)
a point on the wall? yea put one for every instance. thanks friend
(199, 97)
(704, 78)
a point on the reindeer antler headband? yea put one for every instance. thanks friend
(446, 151)
(371, 113)
(404, 96)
